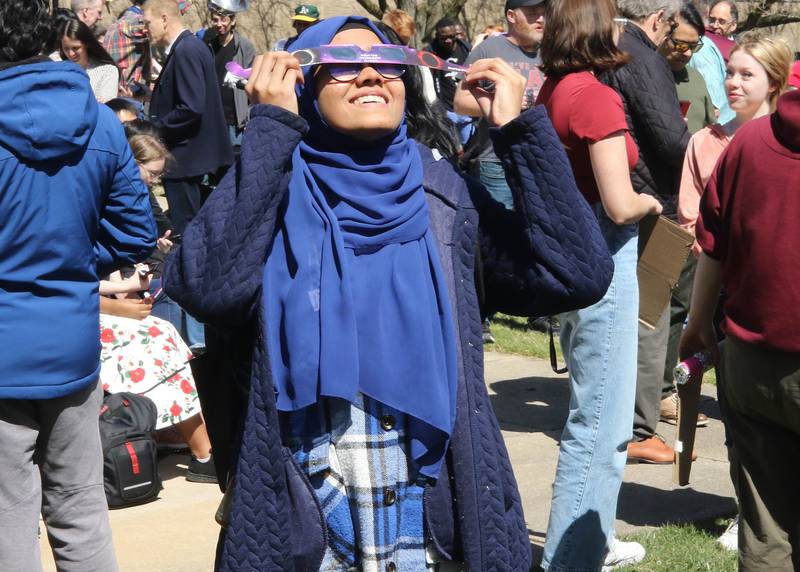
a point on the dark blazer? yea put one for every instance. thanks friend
(473, 512)
(187, 106)
(654, 117)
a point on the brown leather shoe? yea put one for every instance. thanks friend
(669, 412)
(652, 451)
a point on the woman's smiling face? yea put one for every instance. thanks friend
(369, 107)
(747, 83)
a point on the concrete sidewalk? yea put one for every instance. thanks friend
(532, 402)
(177, 533)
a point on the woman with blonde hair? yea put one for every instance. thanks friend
(757, 73)
(142, 353)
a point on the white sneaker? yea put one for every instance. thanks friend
(623, 554)
(730, 538)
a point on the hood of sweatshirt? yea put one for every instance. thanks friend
(786, 121)
(48, 110)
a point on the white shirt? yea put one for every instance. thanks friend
(172, 43)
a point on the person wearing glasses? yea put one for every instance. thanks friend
(678, 48)
(698, 110)
(334, 269)
(228, 45)
(710, 61)
(647, 87)
(723, 18)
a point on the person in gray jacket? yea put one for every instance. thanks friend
(229, 45)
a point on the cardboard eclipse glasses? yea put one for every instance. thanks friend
(351, 54)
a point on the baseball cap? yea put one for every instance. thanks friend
(511, 4)
(306, 13)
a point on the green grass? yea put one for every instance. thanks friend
(684, 548)
(512, 336)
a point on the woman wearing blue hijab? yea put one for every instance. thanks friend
(335, 268)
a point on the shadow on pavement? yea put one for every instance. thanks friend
(531, 404)
(643, 505)
(173, 466)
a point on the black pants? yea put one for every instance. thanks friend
(185, 200)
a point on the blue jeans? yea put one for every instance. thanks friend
(600, 347)
(164, 307)
(235, 135)
(493, 177)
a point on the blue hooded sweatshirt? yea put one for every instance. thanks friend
(72, 208)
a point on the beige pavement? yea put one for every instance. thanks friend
(177, 533)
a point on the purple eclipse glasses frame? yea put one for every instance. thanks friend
(351, 54)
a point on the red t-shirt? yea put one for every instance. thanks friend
(749, 222)
(585, 111)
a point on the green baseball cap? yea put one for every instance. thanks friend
(306, 13)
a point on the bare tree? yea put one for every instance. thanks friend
(265, 20)
(202, 12)
(769, 13)
(425, 14)
(477, 14)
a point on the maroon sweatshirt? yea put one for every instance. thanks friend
(750, 221)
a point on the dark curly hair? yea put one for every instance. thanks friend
(24, 28)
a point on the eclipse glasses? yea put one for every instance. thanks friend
(350, 54)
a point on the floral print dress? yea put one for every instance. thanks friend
(148, 357)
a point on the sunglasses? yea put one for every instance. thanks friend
(345, 73)
(683, 46)
(389, 58)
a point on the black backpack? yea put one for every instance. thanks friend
(130, 457)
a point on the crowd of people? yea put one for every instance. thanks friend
(325, 246)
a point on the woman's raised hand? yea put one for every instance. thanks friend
(503, 101)
(273, 79)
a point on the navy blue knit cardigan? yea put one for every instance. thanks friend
(473, 512)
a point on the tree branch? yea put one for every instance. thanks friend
(762, 15)
(372, 8)
(769, 20)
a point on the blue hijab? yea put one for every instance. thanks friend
(354, 294)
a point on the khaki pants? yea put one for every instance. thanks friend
(762, 388)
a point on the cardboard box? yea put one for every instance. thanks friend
(663, 249)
